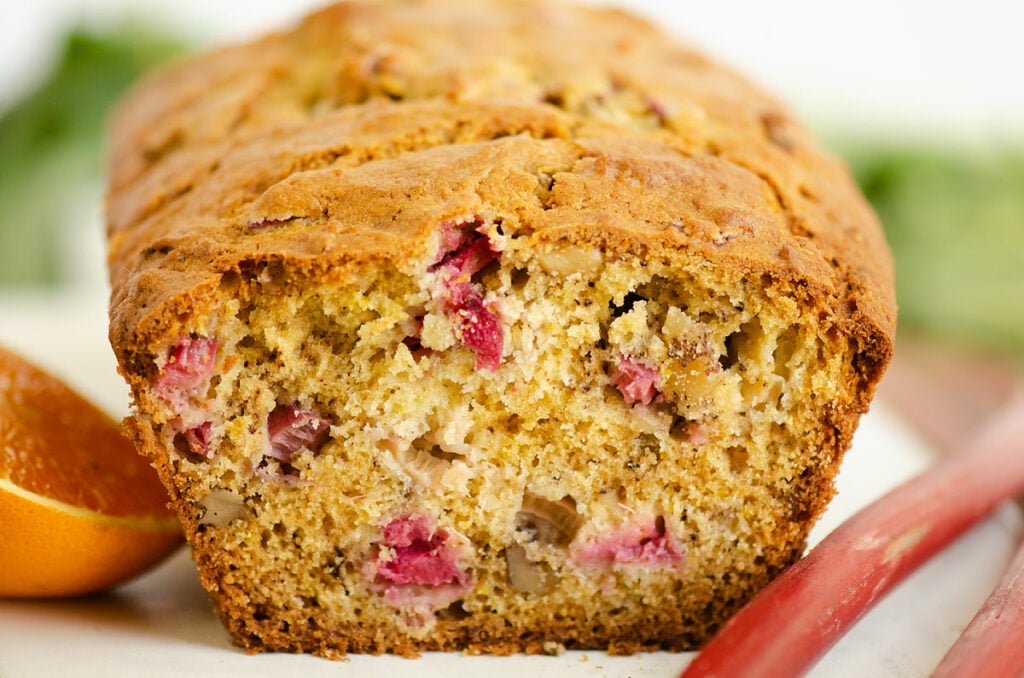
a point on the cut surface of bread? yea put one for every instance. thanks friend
(497, 326)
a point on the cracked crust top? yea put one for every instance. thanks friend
(349, 138)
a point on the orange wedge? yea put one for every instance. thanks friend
(80, 510)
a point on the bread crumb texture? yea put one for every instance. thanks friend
(493, 326)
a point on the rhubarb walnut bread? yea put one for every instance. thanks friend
(483, 325)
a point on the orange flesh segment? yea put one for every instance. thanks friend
(56, 444)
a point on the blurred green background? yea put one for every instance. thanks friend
(51, 148)
(954, 214)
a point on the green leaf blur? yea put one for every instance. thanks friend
(51, 144)
(955, 221)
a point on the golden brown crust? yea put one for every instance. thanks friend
(196, 146)
(349, 139)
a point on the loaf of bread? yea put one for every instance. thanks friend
(504, 326)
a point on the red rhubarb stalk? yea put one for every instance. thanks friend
(992, 645)
(786, 628)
